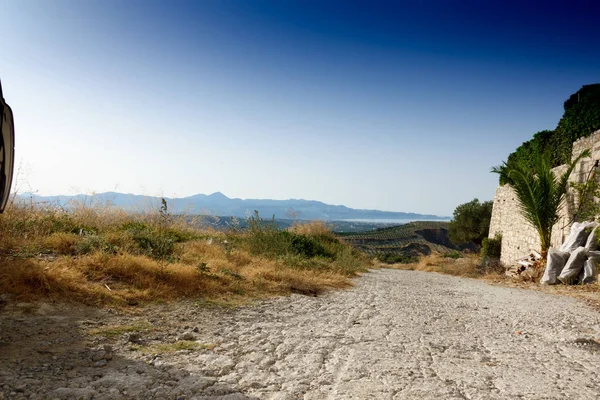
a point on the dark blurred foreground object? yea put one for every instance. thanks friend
(7, 150)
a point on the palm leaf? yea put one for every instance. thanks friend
(540, 193)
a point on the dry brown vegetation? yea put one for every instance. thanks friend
(468, 265)
(100, 255)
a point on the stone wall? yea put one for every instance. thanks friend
(518, 236)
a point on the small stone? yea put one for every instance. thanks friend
(196, 330)
(100, 363)
(134, 338)
(188, 336)
(98, 355)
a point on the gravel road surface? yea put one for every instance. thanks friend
(395, 335)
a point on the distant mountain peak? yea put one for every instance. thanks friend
(219, 204)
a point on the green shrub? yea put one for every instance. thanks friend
(300, 262)
(587, 193)
(309, 246)
(491, 247)
(155, 244)
(580, 119)
(397, 258)
(264, 237)
(454, 254)
(471, 222)
(156, 240)
(300, 250)
(348, 261)
(130, 226)
(91, 243)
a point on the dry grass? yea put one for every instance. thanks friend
(313, 228)
(97, 255)
(165, 348)
(468, 266)
(590, 293)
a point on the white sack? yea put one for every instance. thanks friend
(595, 255)
(589, 272)
(554, 266)
(573, 266)
(577, 237)
(592, 241)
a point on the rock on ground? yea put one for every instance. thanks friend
(396, 335)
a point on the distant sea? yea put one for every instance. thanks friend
(393, 221)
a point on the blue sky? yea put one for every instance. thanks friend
(400, 106)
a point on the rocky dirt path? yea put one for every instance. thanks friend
(396, 335)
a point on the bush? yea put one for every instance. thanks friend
(311, 247)
(348, 261)
(580, 119)
(453, 254)
(308, 246)
(491, 247)
(264, 237)
(471, 222)
(91, 243)
(153, 240)
(155, 244)
(397, 258)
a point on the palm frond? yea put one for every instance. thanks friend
(541, 194)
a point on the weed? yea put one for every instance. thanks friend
(468, 265)
(91, 243)
(234, 275)
(453, 254)
(203, 268)
(397, 258)
(180, 345)
(491, 247)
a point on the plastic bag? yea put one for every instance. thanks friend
(595, 255)
(577, 237)
(589, 272)
(554, 266)
(591, 243)
(573, 266)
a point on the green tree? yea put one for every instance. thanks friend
(581, 118)
(471, 222)
(540, 193)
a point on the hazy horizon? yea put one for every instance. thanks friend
(156, 203)
(398, 106)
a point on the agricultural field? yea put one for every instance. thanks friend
(223, 223)
(403, 243)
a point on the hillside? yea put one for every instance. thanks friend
(404, 242)
(219, 204)
(223, 223)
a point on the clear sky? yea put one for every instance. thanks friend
(400, 106)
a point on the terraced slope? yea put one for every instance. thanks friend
(410, 240)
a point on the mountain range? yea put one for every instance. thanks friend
(221, 205)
